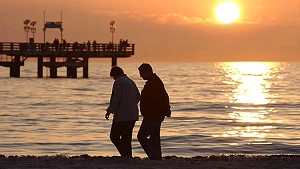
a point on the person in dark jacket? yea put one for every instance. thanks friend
(154, 106)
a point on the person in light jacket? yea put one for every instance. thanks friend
(124, 107)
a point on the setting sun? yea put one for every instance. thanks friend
(227, 12)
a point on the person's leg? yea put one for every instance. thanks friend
(155, 140)
(143, 134)
(126, 138)
(150, 128)
(115, 133)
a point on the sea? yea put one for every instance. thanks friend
(217, 108)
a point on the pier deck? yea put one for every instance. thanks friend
(99, 50)
(13, 55)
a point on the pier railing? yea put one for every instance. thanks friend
(96, 50)
(75, 55)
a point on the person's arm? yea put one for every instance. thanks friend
(164, 100)
(115, 98)
(138, 95)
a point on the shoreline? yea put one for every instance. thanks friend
(171, 162)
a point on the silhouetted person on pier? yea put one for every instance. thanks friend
(47, 46)
(94, 45)
(68, 45)
(154, 107)
(126, 44)
(123, 105)
(110, 46)
(56, 44)
(64, 45)
(121, 45)
(83, 46)
(88, 44)
(75, 46)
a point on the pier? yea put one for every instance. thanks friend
(53, 56)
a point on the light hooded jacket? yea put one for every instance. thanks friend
(124, 100)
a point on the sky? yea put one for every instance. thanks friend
(166, 31)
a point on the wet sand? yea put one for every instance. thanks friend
(168, 162)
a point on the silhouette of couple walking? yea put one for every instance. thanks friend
(154, 106)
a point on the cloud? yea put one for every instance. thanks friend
(173, 18)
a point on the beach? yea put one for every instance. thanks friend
(168, 162)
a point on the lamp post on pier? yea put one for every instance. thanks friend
(26, 28)
(112, 29)
(33, 28)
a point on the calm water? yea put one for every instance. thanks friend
(249, 108)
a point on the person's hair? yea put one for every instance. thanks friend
(116, 71)
(145, 67)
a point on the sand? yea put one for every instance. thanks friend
(168, 162)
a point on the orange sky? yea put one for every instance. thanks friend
(267, 30)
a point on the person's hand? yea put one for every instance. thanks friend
(107, 115)
(169, 113)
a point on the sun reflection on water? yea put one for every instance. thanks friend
(250, 116)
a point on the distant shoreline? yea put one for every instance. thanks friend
(172, 162)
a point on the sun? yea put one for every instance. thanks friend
(227, 12)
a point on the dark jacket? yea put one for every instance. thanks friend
(155, 102)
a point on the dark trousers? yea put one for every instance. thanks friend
(150, 128)
(121, 136)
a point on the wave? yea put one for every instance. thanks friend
(198, 106)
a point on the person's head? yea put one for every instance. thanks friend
(145, 71)
(116, 71)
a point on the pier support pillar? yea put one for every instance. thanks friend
(15, 71)
(53, 69)
(72, 72)
(15, 67)
(113, 61)
(40, 67)
(86, 67)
